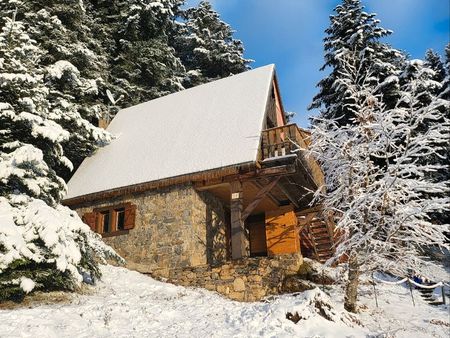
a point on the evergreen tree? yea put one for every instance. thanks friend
(24, 118)
(353, 40)
(74, 67)
(383, 211)
(434, 62)
(445, 91)
(206, 46)
(142, 64)
(43, 245)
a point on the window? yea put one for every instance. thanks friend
(114, 220)
(120, 218)
(105, 221)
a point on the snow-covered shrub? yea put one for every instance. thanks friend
(316, 303)
(45, 248)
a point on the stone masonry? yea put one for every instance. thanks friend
(180, 236)
(175, 227)
(249, 279)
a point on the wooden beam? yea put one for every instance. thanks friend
(201, 187)
(281, 170)
(289, 195)
(258, 198)
(238, 238)
(275, 200)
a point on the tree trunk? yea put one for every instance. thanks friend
(351, 290)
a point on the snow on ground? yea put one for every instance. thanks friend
(128, 304)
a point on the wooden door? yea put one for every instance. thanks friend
(282, 232)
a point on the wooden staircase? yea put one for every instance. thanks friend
(316, 234)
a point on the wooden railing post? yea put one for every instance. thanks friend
(278, 141)
(238, 237)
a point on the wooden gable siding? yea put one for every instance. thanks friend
(280, 115)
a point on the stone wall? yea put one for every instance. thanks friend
(175, 227)
(249, 279)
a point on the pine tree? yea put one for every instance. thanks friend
(353, 40)
(383, 211)
(43, 245)
(206, 46)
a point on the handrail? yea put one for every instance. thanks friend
(280, 141)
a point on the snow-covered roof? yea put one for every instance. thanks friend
(210, 126)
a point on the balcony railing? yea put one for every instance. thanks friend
(282, 141)
(285, 141)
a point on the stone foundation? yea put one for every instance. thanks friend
(249, 279)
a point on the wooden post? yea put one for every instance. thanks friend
(374, 290)
(238, 238)
(411, 291)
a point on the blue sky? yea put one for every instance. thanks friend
(289, 33)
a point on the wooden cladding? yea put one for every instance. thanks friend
(111, 220)
(282, 232)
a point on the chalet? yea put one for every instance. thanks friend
(204, 180)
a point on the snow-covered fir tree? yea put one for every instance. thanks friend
(74, 65)
(377, 184)
(206, 46)
(142, 64)
(445, 91)
(43, 245)
(434, 62)
(354, 37)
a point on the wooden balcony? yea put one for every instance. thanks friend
(287, 145)
(283, 141)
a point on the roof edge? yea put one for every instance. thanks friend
(216, 173)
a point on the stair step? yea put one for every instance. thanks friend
(323, 246)
(321, 232)
(324, 254)
(317, 225)
(322, 238)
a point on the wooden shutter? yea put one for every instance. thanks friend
(130, 216)
(90, 218)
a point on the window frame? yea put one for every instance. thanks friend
(112, 210)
